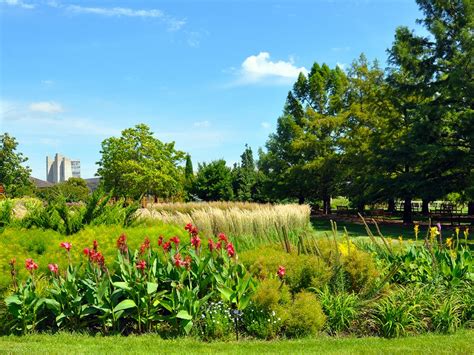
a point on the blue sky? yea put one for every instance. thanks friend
(209, 75)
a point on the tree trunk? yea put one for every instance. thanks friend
(407, 215)
(470, 208)
(391, 205)
(327, 205)
(301, 200)
(425, 207)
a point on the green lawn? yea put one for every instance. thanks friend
(459, 343)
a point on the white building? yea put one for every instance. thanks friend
(61, 169)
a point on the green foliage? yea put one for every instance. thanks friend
(6, 212)
(136, 293)
(137, 163)
(342, 310)
(216, 322)
(305, 316)
(13, 175)
(72, 190)
(213, 181)
(244, 177)
(302, 271)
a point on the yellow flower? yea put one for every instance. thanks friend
(400, 239)
(466, 232)
(457, 231)
(345, 248)
(449, 242)
(416, 229)
(434, 232)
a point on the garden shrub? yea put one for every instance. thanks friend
(216, 322)
(304, 316)
(446, 316)
(302, 271)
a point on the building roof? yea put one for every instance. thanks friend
(40, 183)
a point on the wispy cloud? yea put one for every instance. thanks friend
(342, 66)
(265, 125)
(18, 3)
(202, 124)
(46, 107)
(173, 23)
(260, 69)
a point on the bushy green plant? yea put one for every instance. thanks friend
(6, 212)
(216, 322)
(304, 317)
(302, 271)
(446, 316)
(341, 309)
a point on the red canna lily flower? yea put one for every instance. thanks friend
(87, 251)
(160, 240)
(53, 268)
(167, 246)
(66, 245)
(211, 245)
(281, 271)
(95, 245)
(218, 245)
(175, 240)
(230, 250)
(223, 238)
(145, 246)
(187, 262)
(122, 244)
(177, 260)
(30, 265)
(141, 265)
(195, 241)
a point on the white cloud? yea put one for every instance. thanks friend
(342, 66)
(18, 3)
(172, 23)
(265, 125)
(259, 68)
(46, 107)
(202, 124)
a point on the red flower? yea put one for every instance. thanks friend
(175, 240)
(53, 268)
(230, 250)
(167, 246)
(191, 229)
(222, 237)
(122, 244)
(211, 245)
(141, 265)
(95, 245)
(66, 245)
(281, 271)
(30, 264)
(160, 240)
(187, 262)
(188, 227)
(87, 251)
(177, 260)
(218, 245)
(195, 241)
(145, 246)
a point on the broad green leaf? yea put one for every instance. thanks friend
(151, 287)
(122, 285)
(226, 292)
(125, 304)
(184, 315)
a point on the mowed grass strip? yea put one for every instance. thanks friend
(458, 343)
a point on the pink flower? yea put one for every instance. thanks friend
(141, 265)
(230, 250)
(281, 271)
(66, 245)
(30, 265)
(177, 260)
(53, 268)
(195, 241)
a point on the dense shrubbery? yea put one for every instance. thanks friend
(289, 290)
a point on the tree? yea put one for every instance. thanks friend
(213, 181)
(433, 88)
(137, 163)
(303, 156)
(72, 190)
(188, 177)
(244, 176)
(13, 175)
